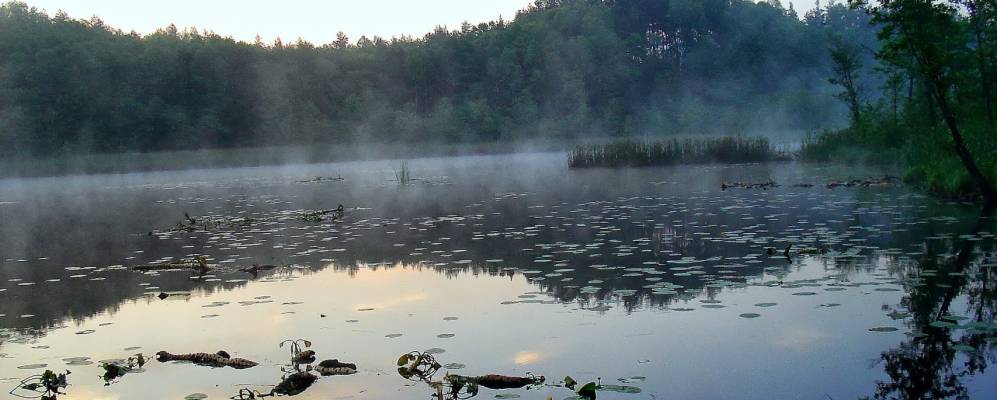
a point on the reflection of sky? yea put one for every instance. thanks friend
(795, 349)
(800, 348)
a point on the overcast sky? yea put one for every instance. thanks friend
(314, 20)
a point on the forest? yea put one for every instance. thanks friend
(934, 115)
(560, 69)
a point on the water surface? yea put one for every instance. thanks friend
(654, 279)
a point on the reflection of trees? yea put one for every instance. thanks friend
(935, 361)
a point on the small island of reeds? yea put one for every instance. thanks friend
(644, 153)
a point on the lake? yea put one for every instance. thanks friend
(655, 283)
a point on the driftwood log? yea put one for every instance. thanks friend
(219, 359)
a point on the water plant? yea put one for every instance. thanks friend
(403, 174)
(46, 386)
(296, 346)
(113, 370)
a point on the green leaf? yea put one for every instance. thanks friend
(569, 382)
(588, 391)
(404, 359)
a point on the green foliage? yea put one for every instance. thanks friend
(935, 120)
(561, 69)
(588, 391)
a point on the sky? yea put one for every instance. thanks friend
(317, 21)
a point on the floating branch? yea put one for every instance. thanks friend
(743, 185)
(199, 263)
(865, 182)
(320, 215)
(320, 179)
(334, 367)
(219, 359)
(191, 224)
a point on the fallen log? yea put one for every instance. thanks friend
(334, 367)
(219, 359)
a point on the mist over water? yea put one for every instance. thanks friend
(616, 199)
(510, 264)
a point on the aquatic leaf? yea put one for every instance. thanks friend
(750, 315)
(883, 329)
(404, 359)
(964, 347)
(570, 382)
(620, 389)
(943, 324)
(588, 391)
(195, 396)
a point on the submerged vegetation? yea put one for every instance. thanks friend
(403, 175)
(632, 153)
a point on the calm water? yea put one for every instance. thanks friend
(652, 279)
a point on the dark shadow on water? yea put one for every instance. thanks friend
(946, 348)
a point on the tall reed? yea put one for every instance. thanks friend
(631, 153)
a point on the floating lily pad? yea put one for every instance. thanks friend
(77, 361)
(943, 324)
(883, 329)
(964, 347)
(750, 315)
(620, 389)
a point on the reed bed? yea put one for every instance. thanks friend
(631, 153)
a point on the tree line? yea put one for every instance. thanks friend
(559, 69)
(935, 111)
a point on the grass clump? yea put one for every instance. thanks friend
(631, 153)
(403, 174)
